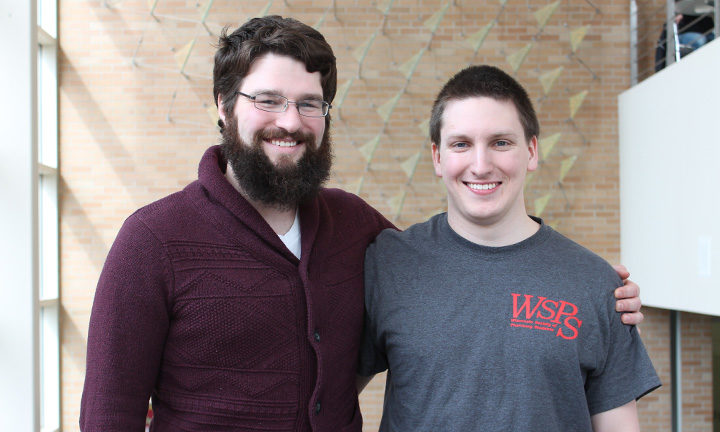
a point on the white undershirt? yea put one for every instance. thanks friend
(292, 237)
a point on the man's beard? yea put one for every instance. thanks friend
(286, 184)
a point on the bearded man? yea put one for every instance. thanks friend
(236, 304)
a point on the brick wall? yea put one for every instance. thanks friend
(133, 127)
(655, 408)
(650, 20)
(696, 340)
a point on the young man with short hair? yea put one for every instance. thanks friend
(486, 318)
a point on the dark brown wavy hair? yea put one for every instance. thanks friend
(271, 34)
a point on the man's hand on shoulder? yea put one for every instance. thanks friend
(628, 298)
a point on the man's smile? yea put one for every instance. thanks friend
(482, 186)
(284, 143)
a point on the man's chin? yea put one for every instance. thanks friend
(286, 161)
(280, 156)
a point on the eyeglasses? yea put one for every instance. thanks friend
(275, 103)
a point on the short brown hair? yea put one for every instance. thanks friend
(271, 34)
(487, 81)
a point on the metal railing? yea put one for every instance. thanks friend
(692, 24)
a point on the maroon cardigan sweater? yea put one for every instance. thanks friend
(202, 306)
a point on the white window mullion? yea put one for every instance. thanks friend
(48, 301)
(45, 38)
(47, 17)
(49, 367)
(47, 88)
(48, 225)
(45, 170)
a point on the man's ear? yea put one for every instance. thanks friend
(436, 159)
(221, 108)
(533, 149)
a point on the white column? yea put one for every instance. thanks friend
(19, 391)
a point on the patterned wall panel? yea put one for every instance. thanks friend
(393, 57)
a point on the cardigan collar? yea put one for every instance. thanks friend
(211, 174)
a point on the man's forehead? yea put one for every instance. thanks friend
(278, 73)
(481, 101)
(497, 115)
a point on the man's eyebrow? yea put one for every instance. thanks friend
(311, 96)
(304, 96)
(458, 136)
(494, 136)
(508, 134)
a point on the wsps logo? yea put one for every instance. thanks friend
(547, 315)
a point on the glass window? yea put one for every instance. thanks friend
(47, 224)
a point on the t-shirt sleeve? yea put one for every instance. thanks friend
(626, 373)
(372, 356)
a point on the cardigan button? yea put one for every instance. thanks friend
(317, 336)
(317, 407)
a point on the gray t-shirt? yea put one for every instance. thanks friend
(515, 338)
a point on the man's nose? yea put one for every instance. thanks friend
(290, 119)
(481, 163)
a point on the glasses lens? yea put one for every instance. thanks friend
(312, 108)
(270, 102)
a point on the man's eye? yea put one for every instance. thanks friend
(501, 143)
(267, 100)
(310, 104)
(460, 144)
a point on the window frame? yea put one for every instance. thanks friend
(48, 303)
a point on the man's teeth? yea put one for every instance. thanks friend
(486, 186)
(284, 143)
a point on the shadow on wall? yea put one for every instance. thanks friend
(102, 130)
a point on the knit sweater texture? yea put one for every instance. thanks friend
(201, 306)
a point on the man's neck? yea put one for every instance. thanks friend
(505, 232)
(279, 219)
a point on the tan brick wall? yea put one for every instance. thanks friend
(696, 340)
(651, 16)
(655, 409)
(132, 128)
